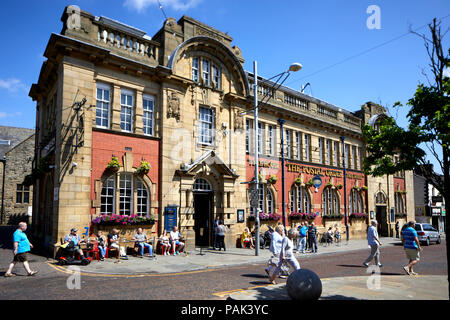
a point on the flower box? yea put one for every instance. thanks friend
(302, 216)
(332, 216)
(264, 217)
(272, 180)
(122, 220)
(144, 168)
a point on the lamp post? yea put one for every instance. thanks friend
(292, 68)
(283, 204)
(345, 186)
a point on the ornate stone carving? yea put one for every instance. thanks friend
(173, 105)
(238, 120)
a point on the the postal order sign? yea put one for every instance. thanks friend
(297, 168)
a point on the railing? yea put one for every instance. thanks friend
(326, 112)
(128, 43)
(295, 101)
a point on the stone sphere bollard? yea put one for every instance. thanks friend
(303, 284)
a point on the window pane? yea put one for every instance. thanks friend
(206, 125)
(107, 196)
(125, 198)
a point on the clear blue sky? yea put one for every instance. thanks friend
(318, 34)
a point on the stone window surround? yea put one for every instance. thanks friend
(139, 92)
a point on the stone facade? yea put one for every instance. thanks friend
(104, 82)
(18, 199)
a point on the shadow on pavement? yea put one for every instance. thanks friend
(338, 297)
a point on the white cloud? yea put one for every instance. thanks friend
(12, 85)
(4, 115)
(179, 5)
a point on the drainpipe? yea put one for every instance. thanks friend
(3, 189)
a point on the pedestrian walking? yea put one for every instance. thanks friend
(275, 248)
(412, 247)
(397, 227)
(220, 234)
(215, 225)
(374, 243)
(303, 230)
(286, 254)
(21, 247)
(312, 237)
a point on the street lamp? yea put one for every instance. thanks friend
(292, 68)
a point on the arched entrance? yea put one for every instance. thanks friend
(381, 214)
(203, 212)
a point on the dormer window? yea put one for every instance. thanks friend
(211, 74)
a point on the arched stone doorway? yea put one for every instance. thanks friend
(203, 212)
(381, 214)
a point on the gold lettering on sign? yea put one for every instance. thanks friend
(264, 164)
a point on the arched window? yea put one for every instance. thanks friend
(330, 202)
(126, 196)
(355, 201)
(202, 185)
(300, 201)
(399, 205)
(266, 200)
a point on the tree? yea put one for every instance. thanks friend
(429, 125)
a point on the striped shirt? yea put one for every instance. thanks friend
(408, 236)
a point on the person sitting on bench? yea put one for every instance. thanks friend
(142, 242)
(175, 237)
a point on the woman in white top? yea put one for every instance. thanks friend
(286, 253)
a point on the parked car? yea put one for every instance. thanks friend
(427, 233)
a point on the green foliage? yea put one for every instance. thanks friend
(144, 168)
(113, 163)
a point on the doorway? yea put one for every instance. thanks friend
(203, 213)
(381, 217)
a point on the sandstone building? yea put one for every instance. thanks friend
(176, 101)
(16, 153)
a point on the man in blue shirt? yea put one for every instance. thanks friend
(412, 247)
(21, 247)
(302, 230)
(374, 243)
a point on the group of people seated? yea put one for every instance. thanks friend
(171, 241)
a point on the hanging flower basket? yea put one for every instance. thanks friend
(364, 188)
(339, 186)
(310, 183)
(113, 165)
(143, 169)
(272, 180)
(298, 181)
(302, 216)
(122, 220)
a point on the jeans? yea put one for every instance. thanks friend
(313, 244)
(102, 251)
(141, 248)
(302, 242)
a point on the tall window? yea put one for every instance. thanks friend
(195, 69)
(102, 106)
(271, 140)
(300, 201)
(126, 195)
(126, 112)
(107, 196)
(288, 144)
(298, 144)
(206, 119)
(307, 148)
(354, 157)
(321, 150)
(260, 137)
(336, 154)
(329, 155)
(270, 202)
(148, 117)
(347, 156)
(399, 204)
(355, 202)
(216, 73)
(205, 72)
(142, 198)
(22, 194)
(330, 201)
(247, 135)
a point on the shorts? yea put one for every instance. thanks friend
(21, 257)
(412, 254)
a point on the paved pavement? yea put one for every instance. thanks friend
(396, 287)
(205, 259)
